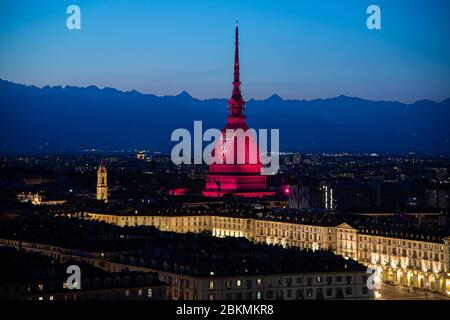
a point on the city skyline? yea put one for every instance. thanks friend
(227, 156)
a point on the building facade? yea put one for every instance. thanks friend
(408, 259)
(403, 258)
(298, 286)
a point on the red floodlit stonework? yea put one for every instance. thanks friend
(236, 179)
(178, 192)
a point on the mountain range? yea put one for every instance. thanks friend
(54, 119)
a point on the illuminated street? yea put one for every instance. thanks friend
(390, 292)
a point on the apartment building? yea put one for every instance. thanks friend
(403, 257)
(409, 258)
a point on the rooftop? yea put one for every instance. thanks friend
(43, 275)
(200, 254)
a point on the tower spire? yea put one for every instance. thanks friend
(236, 56)
(236, 102)
(243, 178)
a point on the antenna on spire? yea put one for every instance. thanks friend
(236, 103)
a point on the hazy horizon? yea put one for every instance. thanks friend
(212, 98)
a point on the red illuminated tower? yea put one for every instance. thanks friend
(237, 179)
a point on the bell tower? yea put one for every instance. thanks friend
(102, 183)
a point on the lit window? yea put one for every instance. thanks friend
(211, 285)
(41, 298)
(51, 297)
(127, 293)
(258, 295)
(140, 292)
(258, 282)
(149, 293)
(238, 283)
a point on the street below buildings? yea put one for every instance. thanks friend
(396, 292)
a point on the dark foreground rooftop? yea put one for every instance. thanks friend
(197, 254)
(203, 255)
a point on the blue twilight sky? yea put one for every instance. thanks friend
(298, 49)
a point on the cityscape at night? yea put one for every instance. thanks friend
(128, 170)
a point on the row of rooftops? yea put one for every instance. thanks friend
(419, 234)
(364, 224)
(393, 226)
(43, 275)
(203, 256)
(75, 234)
(202, 253)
